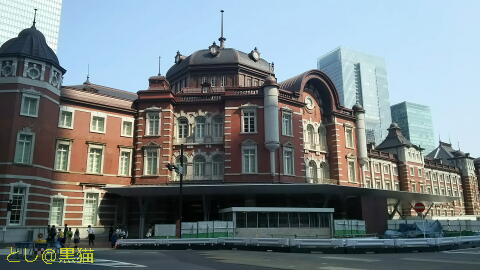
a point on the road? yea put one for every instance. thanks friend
(106, 259)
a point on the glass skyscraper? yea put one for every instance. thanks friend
(16, 15)
(361, 78)
(415, 120)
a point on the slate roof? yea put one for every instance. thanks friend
(30, 43)
(395, 139)
(105, 91)
(225, 56)
(445, 151)
(293, 84)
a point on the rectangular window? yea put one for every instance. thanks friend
(249, 121)
(95, 159)
(249, 81)
(249, 159)
(377, 167)
(213, 81)
(24, 149)
(349, 137)
(351, 171)
(287, 124)
(218, 127)
(90, 209)
(127, 128)
(97, 123)
(56, 212)
(65, 119)
(182, 128)
(414, 187)
(223, 81)
(395, 170)
(419, 172)
(153, 124)
(386, 169)
(150, 161)
(412, 171)
(288, 161)
(30, 104)
(18, 206)
(62, 155)
(124, 162)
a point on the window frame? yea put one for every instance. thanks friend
(64, 142)
(98, 115)
(179, 124)
(126, 120)
(217, 122)
(248, 110)
(59, 197)
(95, 217)
(218, 161)
(349, 142)
(129, 165)
(146, 150)
(95, 146)
(148, 115)
(350, 178)
(254, 148)
(287, 124)
(199, 167)
(322, 137)
(22, 106)
(203, 127)
(66, 109)
(23, 210)
(32, 148)
(285, 163)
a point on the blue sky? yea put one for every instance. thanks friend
(431, 47)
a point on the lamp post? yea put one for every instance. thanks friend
(179, 170)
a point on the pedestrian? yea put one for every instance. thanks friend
(76, 238)
(51, 236)
(91, 236)
(60, 239)
(149, 232)
(69, 235)
(48, 233)
(113, 239)
(110, 233)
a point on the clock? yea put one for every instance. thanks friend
(214, 49)
(255, 54)
(309, 103)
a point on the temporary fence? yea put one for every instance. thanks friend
(201, 229)
(447, 225)
(349, 228)
(291, 243)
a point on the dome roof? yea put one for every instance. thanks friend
(225, 56)
(358, 108)
(30, 43)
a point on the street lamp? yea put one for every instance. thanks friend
(179, 170)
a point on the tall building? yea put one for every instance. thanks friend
(18, 15)
(361, 78)
(415, 120)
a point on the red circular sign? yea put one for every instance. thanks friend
(419, 207)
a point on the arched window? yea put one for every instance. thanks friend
(218, 126)
(182, 128)
(322, 135)
(200, 127)
(217, 166)
(185, 166)
(324, 171)
(310, 135)
(199, 166)
(312, 170)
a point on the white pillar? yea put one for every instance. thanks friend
(270, 112)
(361, 134)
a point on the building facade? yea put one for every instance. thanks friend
(361, 78)
(415, 120)
(93, 155)
(18, 14)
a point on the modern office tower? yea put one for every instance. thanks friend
(415, 120)
(17, 15)
(361, 78)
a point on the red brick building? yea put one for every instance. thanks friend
(94, 155)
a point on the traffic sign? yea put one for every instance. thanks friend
(419, 207)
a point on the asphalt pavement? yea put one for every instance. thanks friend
(105, 259)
